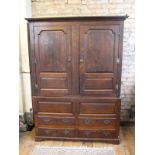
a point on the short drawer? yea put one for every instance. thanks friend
(97, 133)
(56, 132)
(104, 123)
(55, 107)
(55, 121)
(98, 108)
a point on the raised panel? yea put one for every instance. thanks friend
(53, 51)
(99, 52)
(53, 92)
(99, 83)
(54, 84)
(55, 107)
(97, 108)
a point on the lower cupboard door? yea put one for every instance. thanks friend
(98, 106)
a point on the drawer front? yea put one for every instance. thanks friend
(98, 108)
(55, 107)
(56, 132)
(55, 121)
(97, 133)
(104, 123)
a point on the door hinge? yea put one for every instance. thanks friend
(117, 60)
(36, 86)
(33, 35)
(116, 87)
(34, 61)
(119, 34)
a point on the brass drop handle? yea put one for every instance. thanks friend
(106, 122)
(36, 86)
(87, 133)
(87, 121)
(66, 132)
(81, 57)
(47, 120)
(116, 87)
(65, 120)
(47, 132)
(106, 133)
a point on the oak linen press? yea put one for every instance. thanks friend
(75, 67)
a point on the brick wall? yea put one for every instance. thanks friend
(51, 8)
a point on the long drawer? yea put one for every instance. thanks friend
(54, 121)
(81, 133)
(56, 132)
(84, 122)
(89, 133)
(100, 122)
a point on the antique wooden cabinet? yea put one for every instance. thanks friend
(76, 75)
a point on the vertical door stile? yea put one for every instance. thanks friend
(75, 58)
(69, 58)
(117, 60)
(120, 52)
(36, 49)
(31, 46)
(82, 59)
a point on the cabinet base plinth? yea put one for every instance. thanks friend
(110, 140)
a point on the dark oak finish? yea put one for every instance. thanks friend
(75, 65)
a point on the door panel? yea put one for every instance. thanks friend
(52, 51)
(99, 49)
(98, 55)
(53, 58)
(52, 107)
(98, 108)
(98, 83)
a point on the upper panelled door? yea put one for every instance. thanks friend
(99, 59)
(53, 60)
